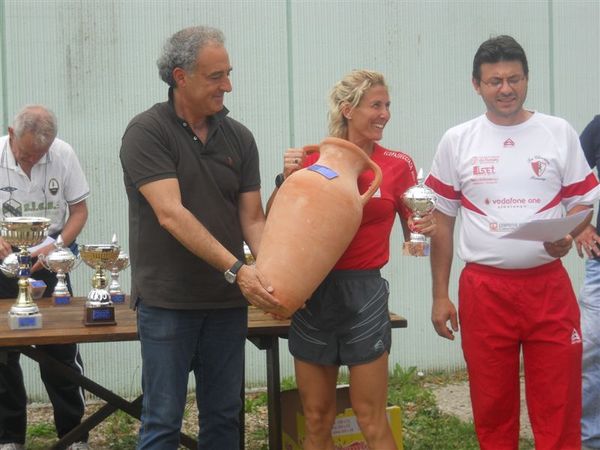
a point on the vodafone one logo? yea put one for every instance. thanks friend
(513, 202)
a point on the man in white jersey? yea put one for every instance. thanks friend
(40, 175)
(504, 168)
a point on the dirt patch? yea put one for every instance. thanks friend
(455, 399)
(451, 398)
(120, 432)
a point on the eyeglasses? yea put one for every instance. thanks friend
(497, 83)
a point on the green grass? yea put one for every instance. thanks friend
(41, 430)
(425, 427)
(123, 429)
(254, 402)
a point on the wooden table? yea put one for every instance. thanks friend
(63, 324)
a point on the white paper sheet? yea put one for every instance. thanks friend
(547, 230)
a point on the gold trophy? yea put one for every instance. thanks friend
(61, 260)
(122, 263)
(99, 308)
(421, 200)
(248, 256)
(24, 232)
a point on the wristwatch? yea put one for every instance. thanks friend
(279, 179)
(231, 274)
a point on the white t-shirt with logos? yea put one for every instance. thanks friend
(498, 177)
(57, 181)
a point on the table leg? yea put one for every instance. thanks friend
(270, 343)
(243, 412)
(274, 394)
(91, 422)
(115, 401)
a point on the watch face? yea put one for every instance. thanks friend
(230, 277)
(231, 274)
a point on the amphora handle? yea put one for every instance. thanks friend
(364, 198)
(308, 149)
(374, 184)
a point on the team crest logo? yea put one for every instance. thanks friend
(53, 186)
(509, 143)
(539, 167)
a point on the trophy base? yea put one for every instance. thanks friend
(117, 298)
(415, 248)
(99, 315)
(24, 322)
(61, 299)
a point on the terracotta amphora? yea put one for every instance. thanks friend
(312, 220)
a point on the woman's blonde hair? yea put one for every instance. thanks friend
(349, 91)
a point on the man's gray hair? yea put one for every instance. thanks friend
(181, 50)
(37, 120)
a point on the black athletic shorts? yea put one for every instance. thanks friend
(345, 322)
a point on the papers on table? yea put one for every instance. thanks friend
(547, 230)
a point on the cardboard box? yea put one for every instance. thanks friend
(346, 432)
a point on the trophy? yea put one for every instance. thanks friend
(10, 265)
(99, 308)
(121, 263)
(421, 201)
(248, 256)
(61, 260)
(24, 232)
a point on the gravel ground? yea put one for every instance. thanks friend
(455, 399)
(451, 398)
(104, 434)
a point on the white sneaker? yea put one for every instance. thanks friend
(77, 446)
(12, 446)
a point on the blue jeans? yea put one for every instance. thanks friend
(175, 342)
(589, 303)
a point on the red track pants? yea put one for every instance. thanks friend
(502, 311)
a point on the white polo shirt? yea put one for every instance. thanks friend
(57, 181)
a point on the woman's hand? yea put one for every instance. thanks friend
(293, 159)
(425, 225)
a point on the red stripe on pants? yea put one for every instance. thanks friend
(502, 311)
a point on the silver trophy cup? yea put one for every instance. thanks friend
(24, 232)
(116, 293)
(99, 308)
(421, 200)
(61, 261)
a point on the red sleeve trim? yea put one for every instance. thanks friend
(445, 190)
(581, 187)
(465, 203)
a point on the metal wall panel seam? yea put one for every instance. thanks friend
(290, 64)
(551, 76)
(3, 69)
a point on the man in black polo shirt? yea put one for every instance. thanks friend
(192, 180)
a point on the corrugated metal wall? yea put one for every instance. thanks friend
(93, 63)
